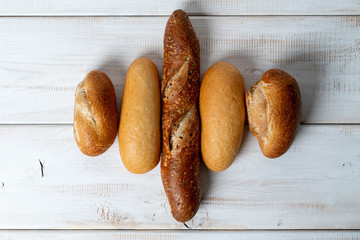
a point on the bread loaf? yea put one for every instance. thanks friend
(95, 114)
(274, 111)
(222, 114)
(180, 120)
(139, 130)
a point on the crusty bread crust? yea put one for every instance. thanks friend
(95, 114)
(139, 129)
(274, 111)
(222, 114)
(180, 164)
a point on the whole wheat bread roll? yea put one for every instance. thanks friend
(180, 164)
(139, 129)
(95, 114)
(222, 114)
(274, 111)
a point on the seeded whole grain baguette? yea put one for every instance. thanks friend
(180, 86)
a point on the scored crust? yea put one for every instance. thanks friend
(95, 114)
(258, 109)
(180, 163)
(274, 111)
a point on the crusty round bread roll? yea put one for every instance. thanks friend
(274, 111)
(139, 130)
(95, 114)
(222, 114)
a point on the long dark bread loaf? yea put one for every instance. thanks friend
(180, 164)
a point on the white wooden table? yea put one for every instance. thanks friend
(47, 47)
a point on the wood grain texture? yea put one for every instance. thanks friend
(43, 59)
(177, 235)
(163, 7)
(306, 188)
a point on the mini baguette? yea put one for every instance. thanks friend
(139, 130)
(222, 114)
(95, 114)
(274, 111)
(180, 163)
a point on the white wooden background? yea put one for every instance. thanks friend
(48, 46)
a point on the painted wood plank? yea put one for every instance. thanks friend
(193, 7)
(43, 59)
(315, 185)
(177, 235)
